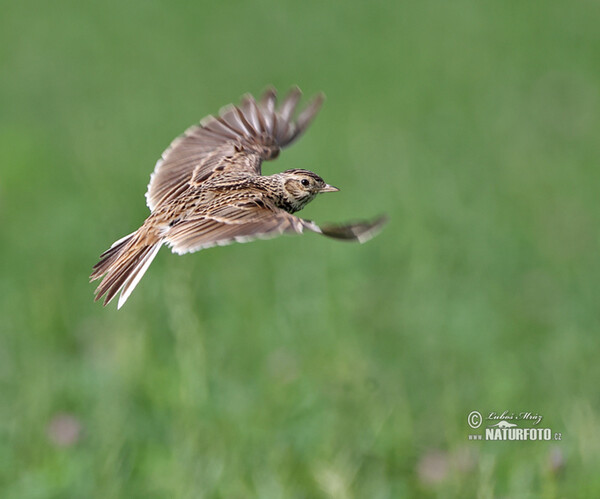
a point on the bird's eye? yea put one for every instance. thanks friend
(305, 182)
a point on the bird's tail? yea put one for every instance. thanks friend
(123, 265)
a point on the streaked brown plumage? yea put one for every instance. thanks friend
(207, 189)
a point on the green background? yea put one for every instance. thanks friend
(305, 367)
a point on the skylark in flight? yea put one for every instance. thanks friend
(207, 189)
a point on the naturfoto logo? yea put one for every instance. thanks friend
(505, 426)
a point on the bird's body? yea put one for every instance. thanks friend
(207, 190)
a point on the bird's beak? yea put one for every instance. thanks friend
(329, 188)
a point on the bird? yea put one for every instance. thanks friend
(207, 189)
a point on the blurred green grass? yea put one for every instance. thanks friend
(302, 367)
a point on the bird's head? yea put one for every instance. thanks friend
(301, 186)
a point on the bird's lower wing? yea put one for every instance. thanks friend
(249, 221)
(229, 224)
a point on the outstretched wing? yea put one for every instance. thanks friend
(252, 219)
(239, 139)
(238, 222)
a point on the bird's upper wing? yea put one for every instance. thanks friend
(250, 219)
(240, 138)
